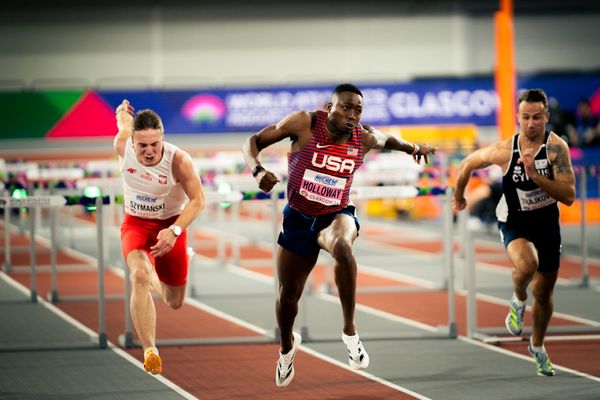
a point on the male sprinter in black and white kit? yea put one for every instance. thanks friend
(537, 174)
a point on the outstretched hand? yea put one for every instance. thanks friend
(528, 160)
(124, 115)
(266, 180)
(424, 151)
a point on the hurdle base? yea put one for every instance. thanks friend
(214, 341)
(126, 341)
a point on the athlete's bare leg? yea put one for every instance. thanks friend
(141, 305)
(337, 240)
(173, 296)
(543, 305)
(292, 272)
(523, 256)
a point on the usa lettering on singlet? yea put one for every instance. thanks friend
(151, 192)
(320, 175)
(522, 194)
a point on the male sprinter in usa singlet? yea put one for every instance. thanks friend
(163, 195)
(537, 174)
(327, 148)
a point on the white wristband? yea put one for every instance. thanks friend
(416, 149)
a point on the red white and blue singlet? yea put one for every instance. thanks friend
(320, 174)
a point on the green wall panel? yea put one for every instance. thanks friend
(32, 114)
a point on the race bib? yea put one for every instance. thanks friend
(534, 199)
(145, 206)
(322, 188)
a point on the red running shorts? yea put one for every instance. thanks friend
(140, 234)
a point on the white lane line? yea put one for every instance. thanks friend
(406, 321)
(363, 373)
(502, 302)
(524, 357)
(254, 328)
(265, 279)
(78, 325)
(392, 317)
(333, 299)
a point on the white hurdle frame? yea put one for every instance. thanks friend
(448, 331)
(55, 202)
(126, 339)
(491, 334)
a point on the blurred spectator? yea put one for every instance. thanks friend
(484, 198)
(585, 131)
(559, 119)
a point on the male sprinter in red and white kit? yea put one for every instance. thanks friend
(326, 150)
(159, 179)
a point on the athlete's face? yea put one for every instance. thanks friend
(344, 112)
(148, 146)
(533, 118)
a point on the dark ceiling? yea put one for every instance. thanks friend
(254, 8)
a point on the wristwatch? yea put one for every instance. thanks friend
(176, 230)
(257, 170)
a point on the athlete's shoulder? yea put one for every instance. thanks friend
(297, 119)
(498, 153)
(505, 144)
(554, 139)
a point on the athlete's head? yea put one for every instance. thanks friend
(345, 109)
(533, 112)
(148, 136)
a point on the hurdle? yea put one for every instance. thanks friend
(494, 335)
(403, 191)
(55, 202)
(127, 340)
(583, 172)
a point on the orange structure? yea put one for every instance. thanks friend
(505, 69)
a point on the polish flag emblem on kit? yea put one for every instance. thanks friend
(162, 179)
(352, 151)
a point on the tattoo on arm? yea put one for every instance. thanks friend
(561, 164)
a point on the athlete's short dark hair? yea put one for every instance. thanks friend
(534, 96)
(147, 119)
(347, 87)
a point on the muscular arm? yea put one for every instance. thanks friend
(184, 172)
(124, 116)
(292, 126)
(496, 154)
(377, 140)
(562, 188)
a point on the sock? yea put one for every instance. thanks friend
(149, 349)
(517, 301)
(346, 338)
(539, 349)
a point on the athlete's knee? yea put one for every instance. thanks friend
(137, 259)
(175, 303)
(541, 294)
(289, 297)
(141, 277)
(140, 267)
(342, 251)
(525, 270)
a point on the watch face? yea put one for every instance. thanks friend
(176, 230)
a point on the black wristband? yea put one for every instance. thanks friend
(257, 170)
